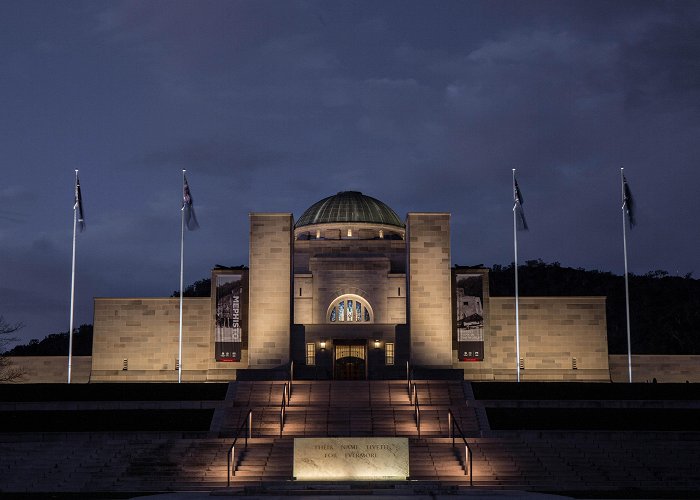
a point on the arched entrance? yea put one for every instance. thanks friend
(350, 359)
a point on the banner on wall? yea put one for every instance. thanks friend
(229, 317)
(469, 316)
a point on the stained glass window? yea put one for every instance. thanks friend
(349, 309)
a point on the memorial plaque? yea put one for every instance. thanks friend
(365, 459)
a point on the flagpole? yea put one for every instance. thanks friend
(627, 288)
(72, 281)
(182, 263)
(517, 315)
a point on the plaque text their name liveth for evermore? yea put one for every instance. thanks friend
(334, 459)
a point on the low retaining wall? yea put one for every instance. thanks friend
(52, 369)
(663, 368)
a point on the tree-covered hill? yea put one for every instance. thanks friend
(56, 344)
(664, 310)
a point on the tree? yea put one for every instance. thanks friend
(8, 372)
(200, 288)
(56, 344)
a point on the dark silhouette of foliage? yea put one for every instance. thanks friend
(8, 372)
(200, 288)
(56, 344)
(664, 310)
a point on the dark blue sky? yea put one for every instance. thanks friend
(273, 105)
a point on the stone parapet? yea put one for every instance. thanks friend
(429, 296)
(664, 368)
(270, 295)
(145, 333)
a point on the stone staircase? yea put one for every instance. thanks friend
(93, 462)
(546, 461)
(348, 409)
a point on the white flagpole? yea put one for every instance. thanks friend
(517, 315)
(627, 288)
(72, 281)
(182, 262)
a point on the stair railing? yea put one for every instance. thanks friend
(247, 424)
(408, 378)
(468, 465)
(290, 380)
(286, 394)
(413, 399)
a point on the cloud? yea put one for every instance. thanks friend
(661, 68)
(273, 105)
(230, 157)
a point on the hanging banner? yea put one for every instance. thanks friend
(469, 316)
(229, 317)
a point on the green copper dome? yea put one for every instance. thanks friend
(349, 206)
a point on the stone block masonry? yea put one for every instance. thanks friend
(665, 368)
(52, 369)
(429, 295)
(270, 292)
(561, 338)
(145, 333)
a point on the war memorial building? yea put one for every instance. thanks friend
(353, 295)
(350, 291)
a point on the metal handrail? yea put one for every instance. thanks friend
(291, 377)
(231, 459)
(409, 378)
(416, 404)
(413, 400)
(286, 394)
(468, 465)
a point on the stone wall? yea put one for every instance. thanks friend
(365, 276)
(270, 292)
(145, 333)
(553, 332)
(303, 298)
(663, 368)
(429, 295)
(394, 250)
(52, 369)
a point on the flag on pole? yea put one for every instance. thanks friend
(78, 204)
(518, 206)
(628, 202)
(190, 217)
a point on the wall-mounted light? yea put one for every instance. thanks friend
(376, 344)
(323, 345)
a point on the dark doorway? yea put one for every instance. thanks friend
(350, 360)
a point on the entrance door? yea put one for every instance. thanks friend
(350, 362)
